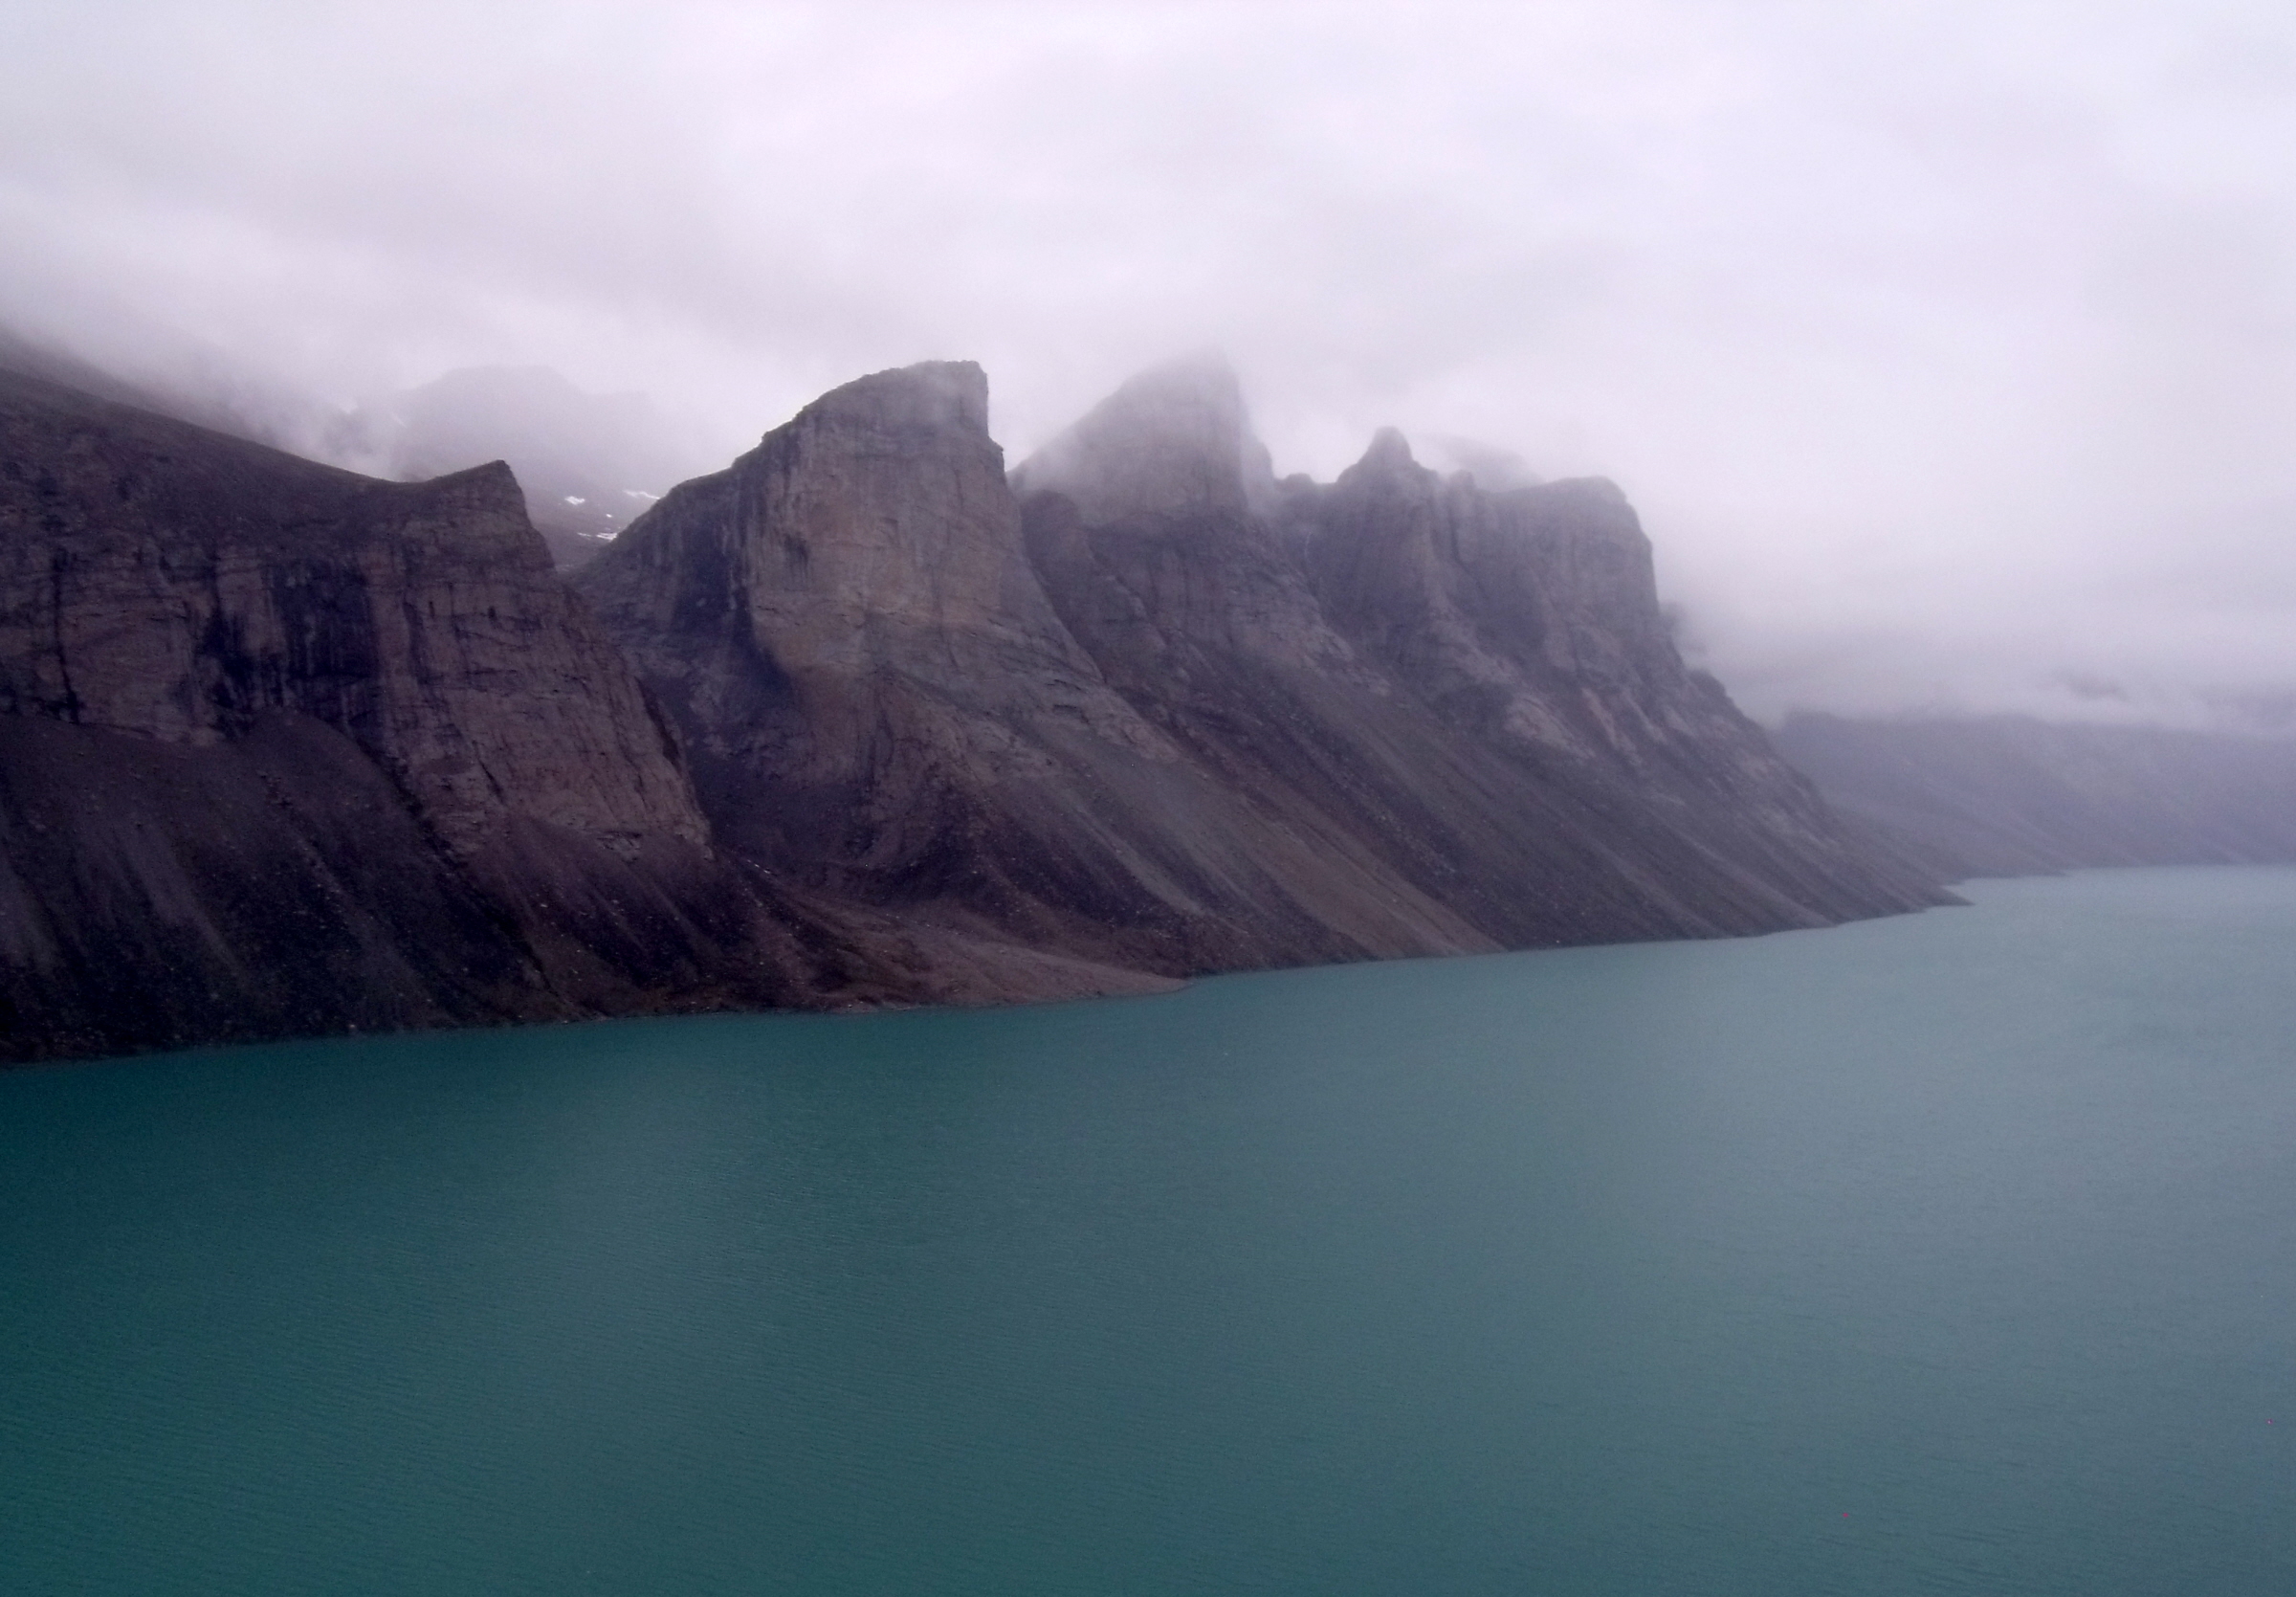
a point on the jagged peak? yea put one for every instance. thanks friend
(1175, 438)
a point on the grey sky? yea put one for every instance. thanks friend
(1949, 350)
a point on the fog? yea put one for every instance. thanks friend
(1947, 350)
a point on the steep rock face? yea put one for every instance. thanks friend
(1477, 689)
(283, 750)
(288, 748)
(1145, 522)
(1118, 717)
(846, 628)
(1529, 621)
(156, 580)
(880, 702)
(1531, 617)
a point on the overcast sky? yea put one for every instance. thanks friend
(1949, 350)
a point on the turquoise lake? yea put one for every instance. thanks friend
(1951, 1253)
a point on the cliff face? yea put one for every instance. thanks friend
(882, 704)
(1528, 622)
(1479, 687)
(284, 749)
(858, 720)
(158, 581)
(1166, 710)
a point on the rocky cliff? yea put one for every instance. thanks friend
(283, 750)
(1528, 622)
(1478, 686)
(1149, 705)
(861, 719)
(882, 704)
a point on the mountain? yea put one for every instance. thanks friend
(1477, 686)
(2009, 795)
(860, 720)
(880, 701)
(1144, 703)
(288, 750)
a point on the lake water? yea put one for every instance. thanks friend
(1950, 1254)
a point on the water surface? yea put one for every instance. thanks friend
(1948, 1253)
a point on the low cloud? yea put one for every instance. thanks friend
(1950, 351)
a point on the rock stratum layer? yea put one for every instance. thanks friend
(860, 720)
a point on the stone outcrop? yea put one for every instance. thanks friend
(178, 587)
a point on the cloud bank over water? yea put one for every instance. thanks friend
(1950, 351)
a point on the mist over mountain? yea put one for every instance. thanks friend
(590, 464)
(2008, 795)
(160, 370)
(859, 719)
(1945, 347)
(1161, 710)
(867, 718)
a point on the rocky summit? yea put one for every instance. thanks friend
(862, 719)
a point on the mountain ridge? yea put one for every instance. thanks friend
(861, 719)
(1226, 670)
